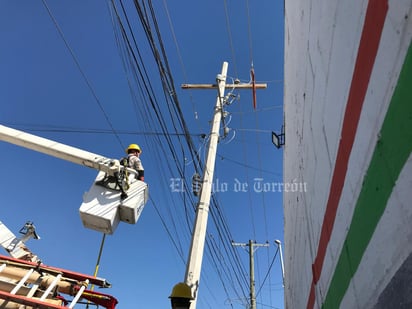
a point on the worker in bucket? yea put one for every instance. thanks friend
(133, 160)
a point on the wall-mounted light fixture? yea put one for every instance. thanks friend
(279, 139)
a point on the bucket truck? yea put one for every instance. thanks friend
(115, 195)
(27, 283)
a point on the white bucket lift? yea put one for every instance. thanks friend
(103, 206)
(111, 198)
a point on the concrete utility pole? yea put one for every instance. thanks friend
(252, 246)
(193, 268)
(194, 264)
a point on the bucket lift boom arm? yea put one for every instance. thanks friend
(61, 151)
(115, 195)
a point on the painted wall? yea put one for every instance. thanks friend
(348, 133)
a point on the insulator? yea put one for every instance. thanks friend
(226, 131)
(196, 184)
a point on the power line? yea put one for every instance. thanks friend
(180, 57)
(268, 272)
(167, 82)
(50, 128)
(248, 166)
(230, 38)
(249, 33)
(136, 65)
(81, 71)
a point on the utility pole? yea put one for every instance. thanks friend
(194, 264)
(252, 245)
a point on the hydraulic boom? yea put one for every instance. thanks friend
(55, 149)
(115, 195)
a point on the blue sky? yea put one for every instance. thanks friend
(65, 76)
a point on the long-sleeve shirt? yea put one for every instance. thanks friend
(135, 163)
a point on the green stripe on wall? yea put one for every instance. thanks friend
(390, 155)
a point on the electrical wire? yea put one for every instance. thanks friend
(76, 61)
(183, 68)
(268, 272)
(229, 32)
(148, 108)
(146, 27)
(163, 133)
(62, 129)
(249, 26)
(264, 207)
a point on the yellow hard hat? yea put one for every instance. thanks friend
(135, 147)
(181, 290)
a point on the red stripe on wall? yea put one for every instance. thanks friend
(368, 48)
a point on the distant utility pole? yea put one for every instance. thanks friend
(252, 246)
